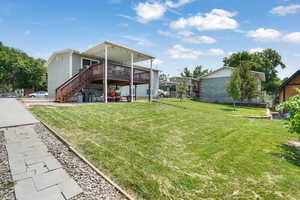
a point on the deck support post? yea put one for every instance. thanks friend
(131, 79)
(150, 82)
(135, 92)
(105, 75)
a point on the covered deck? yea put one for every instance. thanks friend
(116, 68)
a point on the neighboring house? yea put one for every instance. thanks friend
(192, 84)
(94, 74)
(288, 88)
(213, 85)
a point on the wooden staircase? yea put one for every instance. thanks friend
(77, 82)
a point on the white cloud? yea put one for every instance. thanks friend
(265, 35)
(147, 12)
(144, 43)
(256, 50)
(199, 40)
(262, 34)
(231, 52)
(126, 17)
(27, 32)
(184, 36)
(179, 3)
(215, 52)
(292, 37)
(165, 33)
(140, 41)
(285, 10)
(186, 33)
(157, 62)
(217, 19)
(180, 52)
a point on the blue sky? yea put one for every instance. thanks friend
(179, 33)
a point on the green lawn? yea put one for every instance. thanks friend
(191, 150)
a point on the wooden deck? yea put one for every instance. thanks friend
(116, 74)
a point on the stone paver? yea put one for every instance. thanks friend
(25, 190)
(12, 113)
(37, 173)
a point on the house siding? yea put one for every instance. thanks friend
(76, 62)
(58, 72)
(289, 90)
(214, 90)
(141, 90)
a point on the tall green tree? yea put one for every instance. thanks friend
(199, 72)
(268, 62)
(18, 70)
(163, 77)
(233, 87)
(248, 86)
(181, 89)
(196, 73)
(186, 73)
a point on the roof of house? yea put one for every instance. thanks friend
(289, 79)
(119, 54)
(261, 75)
(180, 77)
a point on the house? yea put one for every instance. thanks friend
(193, 86)
(288, 88)
(100, 73)
(213, 85)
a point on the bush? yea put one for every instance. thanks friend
(293, 108)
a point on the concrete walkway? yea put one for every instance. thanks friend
(12, 113)
(36, 172)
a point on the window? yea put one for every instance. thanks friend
(86, 62)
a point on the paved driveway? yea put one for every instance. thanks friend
(12, 113)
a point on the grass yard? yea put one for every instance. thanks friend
(191, 150)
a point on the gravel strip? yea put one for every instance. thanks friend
(95, 187)
(6, 183)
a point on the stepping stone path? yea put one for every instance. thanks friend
(36, 172)
(12, 113)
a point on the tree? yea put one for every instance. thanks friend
(199, 72)
(242, 84)
(181, 89)
(186, 73)
(18, 70)
(293, 107)
(233, 87)
(267, 62)
(248, 86)
(163, 77)
(284, 79)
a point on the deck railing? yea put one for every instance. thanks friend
(78, 81)
(95, 73)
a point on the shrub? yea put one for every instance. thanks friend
(293, 108)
